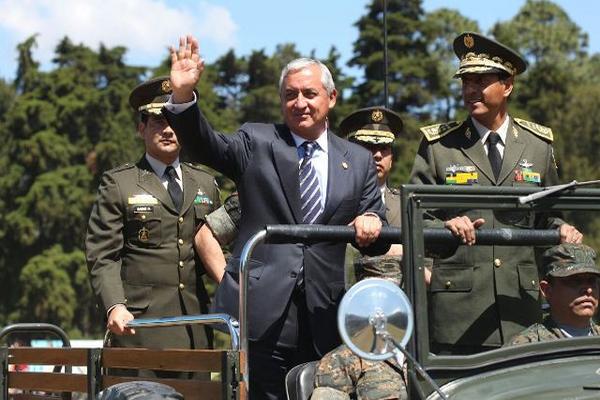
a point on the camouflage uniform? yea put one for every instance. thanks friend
(225, 220)
(547, 330)
(560, 261)
(341, 374)
(352, 377)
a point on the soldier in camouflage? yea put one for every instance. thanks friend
(570, 286)
(222, 225)
(341, 374)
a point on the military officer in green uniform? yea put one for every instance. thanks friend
(480, 297)
(139, 243)
(570, 286)
(376, 128)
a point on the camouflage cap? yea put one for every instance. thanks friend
(386, 267)
(481, 55)
(150, 96)
(569, 259)
(371, 125)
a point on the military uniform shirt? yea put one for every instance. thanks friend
(483, 295)
(547, 330)
(140, 253)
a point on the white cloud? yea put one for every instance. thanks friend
(145, 27)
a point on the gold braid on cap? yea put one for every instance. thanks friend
(483, 59)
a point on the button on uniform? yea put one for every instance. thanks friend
(448, 284)
(180, 220)
(181, 263)
(180, 241)
(497, 263)
(181, 286)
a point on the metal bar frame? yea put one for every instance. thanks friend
(416, 199)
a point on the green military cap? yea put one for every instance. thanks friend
(150, 96)
(481, 55)
(568, 259)
(372, 125)
(385, 267)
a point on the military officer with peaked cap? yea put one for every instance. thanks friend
(139, 243)
(376, 128)
(480, 297)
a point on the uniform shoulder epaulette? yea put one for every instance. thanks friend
(434, 132)
(122, 167)
(197, 167)
(203, 170)
(539, 130)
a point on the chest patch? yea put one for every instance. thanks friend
(461, 175)
(524, 173)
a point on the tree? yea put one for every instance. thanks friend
(440, 27)
(64, 128)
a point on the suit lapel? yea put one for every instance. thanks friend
(512, 152)
(472, 147)
(148, 181)
(337, 166)
(285, 156)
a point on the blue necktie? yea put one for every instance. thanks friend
(310, 191)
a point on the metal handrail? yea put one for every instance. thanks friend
(203, 319)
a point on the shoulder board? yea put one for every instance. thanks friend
(120, 168)
(434, 132)
(539, 130)
(197, 167)
(202, 170)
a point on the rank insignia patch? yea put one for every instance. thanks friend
(144, 234)
(461, 175)
(142, 199)
(202, 198)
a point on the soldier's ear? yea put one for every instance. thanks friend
(546, 289)
(141, 127)
(508, 86)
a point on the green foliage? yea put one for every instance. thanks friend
(55, 289)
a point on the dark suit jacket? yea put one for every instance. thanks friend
(262, 160)
(483, 295)
(134, 254)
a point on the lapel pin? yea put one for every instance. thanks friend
(468, 133)
(344, 165)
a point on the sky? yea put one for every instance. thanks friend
(148, 27)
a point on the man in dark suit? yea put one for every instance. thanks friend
(480, 297)
(139, 243)
(292, 173)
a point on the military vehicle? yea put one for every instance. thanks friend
(554, 370)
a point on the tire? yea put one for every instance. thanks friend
(139, 390)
